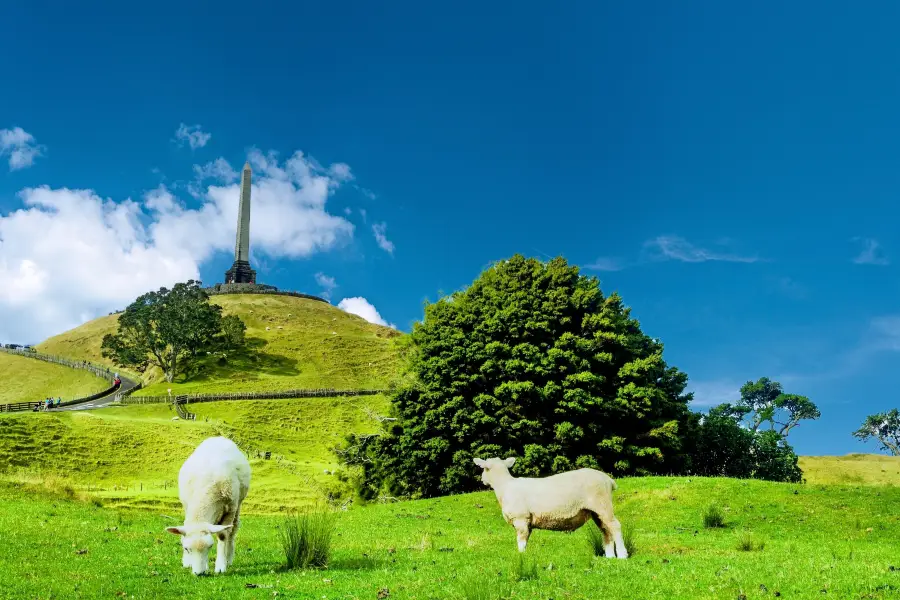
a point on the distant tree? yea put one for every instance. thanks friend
(764, 401)
(169, 329)
(884, 427)
(530, 361)
(723, 446)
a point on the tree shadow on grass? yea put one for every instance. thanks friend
(247, 363)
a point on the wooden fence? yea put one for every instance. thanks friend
(126, 386)
(18, 406)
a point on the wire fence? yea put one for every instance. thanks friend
(220, 396)
(100, 371)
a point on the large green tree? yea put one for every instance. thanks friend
(532, 360)
(170, 329)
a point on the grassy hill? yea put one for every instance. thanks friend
(130, 456)
(860, 469)
(26, 380)
(295, 343)
(807, 542)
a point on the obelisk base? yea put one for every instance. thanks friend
(240, 272)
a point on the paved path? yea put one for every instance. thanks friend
(102, 402)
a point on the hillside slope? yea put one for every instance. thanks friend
(28, 380)
(130, 455)
(308, 344)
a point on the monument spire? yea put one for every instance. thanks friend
(240, 271)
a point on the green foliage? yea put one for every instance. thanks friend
(775, 459)
(884, 427)
(764, 401)
(169, 329)
(725, 448)
(306, 539)
(530, 361)
(713, 517)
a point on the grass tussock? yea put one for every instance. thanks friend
(524, 569)
(747, 542)
(478, 589)
(713, 517)
(306, 538)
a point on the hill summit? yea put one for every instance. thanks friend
(292, 342)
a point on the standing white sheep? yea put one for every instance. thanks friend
(212, 484)
(561, 502)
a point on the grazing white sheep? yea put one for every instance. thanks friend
(212, 484)
(561, 502)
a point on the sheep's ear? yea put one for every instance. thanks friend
(478, 462)
(175, 530)
(218, 528)
(509, 462)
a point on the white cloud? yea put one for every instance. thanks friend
(363, 308)
(713, 393)
(871, 254)
(218, 169)
(19, 147)
(670, 247)
(193, 135)
(67, 255)
(606, 264)
(379, 229)
(348, 211)
(363, 213)
(326, 283)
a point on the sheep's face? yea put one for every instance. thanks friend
(494, 468)
(196, 540)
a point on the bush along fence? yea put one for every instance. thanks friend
(127, 386)
(217, 397)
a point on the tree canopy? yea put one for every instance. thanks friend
(764, 401)
(533, 361)
(884, 427)
(170, 328)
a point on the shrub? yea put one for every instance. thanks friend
(713, 517)
(723, 448)
(306, 539)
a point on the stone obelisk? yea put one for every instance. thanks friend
(240, 271)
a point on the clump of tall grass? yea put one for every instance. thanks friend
(306, 538)
(713, 517)
(524, 569)
(748, 543)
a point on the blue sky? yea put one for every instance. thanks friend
(732, 172)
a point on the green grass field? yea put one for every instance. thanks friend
(28, 380)
(308, 344)
(817, 541)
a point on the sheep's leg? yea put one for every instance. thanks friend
(523, 530)
(608, 544)
(233, 535)
(604, 512)
(224, 541)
